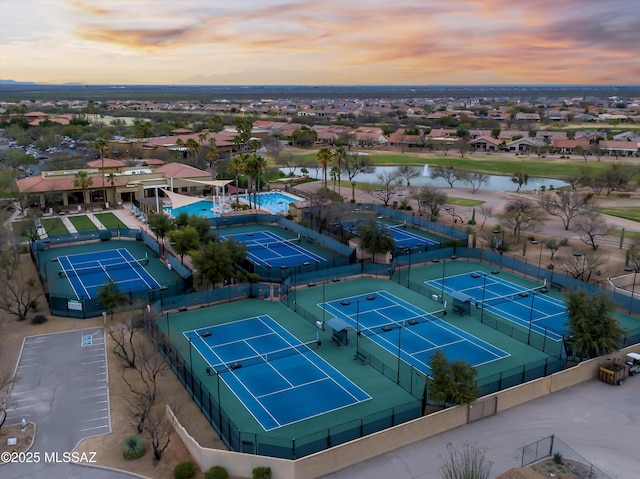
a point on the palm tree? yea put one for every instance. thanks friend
(194, 148)
(324, 157)
(339, 157)
(111, 178)
(335, 175)
(102, 146)
(238, 165)
(256, 164)
(83, 181)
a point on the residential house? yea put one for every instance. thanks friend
(567, 147)
(485, 143)
(620, 148)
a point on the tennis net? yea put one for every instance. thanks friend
(102, 268)
(270, 356)
(519, 295)
(285, 243)
(385, 328)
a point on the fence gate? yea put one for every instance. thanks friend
(481, 409)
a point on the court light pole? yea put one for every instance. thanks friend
(190, 366)
(217, 374)
(400, 325)
(357, 324)
(484, 289)
(444, 262)
(533, 297)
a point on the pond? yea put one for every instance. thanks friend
(495, 182)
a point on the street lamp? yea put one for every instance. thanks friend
(44, 268)
(444, 262)
(417, 245)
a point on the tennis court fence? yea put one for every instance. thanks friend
(204, 393)
(551, 446)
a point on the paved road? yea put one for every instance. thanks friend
(61, 385)
(599, 421)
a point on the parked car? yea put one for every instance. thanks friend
(633, 363)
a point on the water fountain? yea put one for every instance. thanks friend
(425, 170)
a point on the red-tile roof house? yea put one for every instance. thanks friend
(566, 147)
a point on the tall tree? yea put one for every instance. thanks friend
(431, 198)
(566, 204)
(375, 238)
(447, 173)
(110, 296)
(237, 166)
(102, 146)
(451, 383)
(19, 292)
(216, 260)
(386, 187)
(256, 164)
(592, 328)
(82, 180)
(520, 179)
(184, 241)
(324, 158)
(591, 225)
(408, 173)
(521, 214)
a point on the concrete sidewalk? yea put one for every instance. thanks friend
(599, 421)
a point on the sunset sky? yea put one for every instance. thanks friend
(327, 42)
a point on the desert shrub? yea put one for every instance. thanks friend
(184, 470)
(133, 447)
(261, 473)
(39, 319)
(216, 472)
(557, 458)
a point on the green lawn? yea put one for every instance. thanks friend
(110, 221)
(82, 223)
(628, 212)
(54, 226)
(488, 164)
(464, 202)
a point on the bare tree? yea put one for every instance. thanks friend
(387, 186)
(447, 173)
(590, 225)
(486, 212)
(432, 198)
(520, 179)
(273, 146)
(565, 204)
(159, 428)
(143, 383)
(552, 245)
(19, 292)
(581, 266)
(124, 336)
(6, 381)
(476, 180)
(408, 173)
(521, 214)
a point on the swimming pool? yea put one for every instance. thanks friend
(201, 208)
(274, 201)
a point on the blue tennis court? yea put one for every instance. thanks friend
(402, 328)
(267, 249)
(529, 308)
(88, 272)
(403, 238)
(279, 379)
